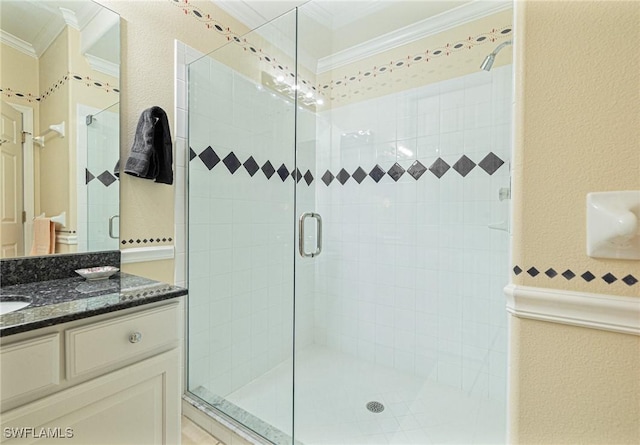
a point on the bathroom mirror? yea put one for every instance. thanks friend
(60, 65)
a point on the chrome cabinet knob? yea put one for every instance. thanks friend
(136, 337)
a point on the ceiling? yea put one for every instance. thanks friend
(32, 25)
(329, 26)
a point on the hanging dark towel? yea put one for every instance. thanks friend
(151, 155)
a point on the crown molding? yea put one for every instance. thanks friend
(17, 44)
(419, 30)
(103, 66)
(594, 311)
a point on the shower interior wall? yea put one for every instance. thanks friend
(241, 244)
(411, 277)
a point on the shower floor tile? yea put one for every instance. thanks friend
(331, 393)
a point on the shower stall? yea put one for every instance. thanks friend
(349, 225)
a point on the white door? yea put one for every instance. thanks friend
(11, 195)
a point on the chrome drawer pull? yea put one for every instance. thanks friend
(136, 337)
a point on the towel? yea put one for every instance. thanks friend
(44, 237)
(151, 155)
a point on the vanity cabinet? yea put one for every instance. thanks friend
(110, 379)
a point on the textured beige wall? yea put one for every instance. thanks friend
(155, 270)
(18, 72)
(577, 117)
(147, 76)
(573, 385)
(577, 93)
(57, 187)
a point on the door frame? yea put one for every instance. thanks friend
(28, 173)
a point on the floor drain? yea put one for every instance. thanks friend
(375, 407)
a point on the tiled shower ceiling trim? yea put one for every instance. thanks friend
(361, 77)
(489, 164)
(88, 81)
(569, 275)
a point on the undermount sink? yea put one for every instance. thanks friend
(12, 303)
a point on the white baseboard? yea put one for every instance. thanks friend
(144, 254)
(595, 311)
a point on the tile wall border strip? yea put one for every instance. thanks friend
(595, 311)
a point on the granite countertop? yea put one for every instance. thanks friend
(67, 299)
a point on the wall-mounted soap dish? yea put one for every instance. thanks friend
(613, 225)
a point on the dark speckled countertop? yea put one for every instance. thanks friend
(68, 299)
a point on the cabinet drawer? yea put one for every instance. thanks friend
(29, 366)
(120, 340)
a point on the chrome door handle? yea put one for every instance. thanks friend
(111, 227)
(318, 235)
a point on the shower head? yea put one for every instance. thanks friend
(488, 61)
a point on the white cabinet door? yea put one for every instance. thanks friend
(136, 405)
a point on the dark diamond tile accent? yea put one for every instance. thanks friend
(268, 169)
(308, 177)
(296, 175)
(568, 274)
(283, 172)
(464, 166)
(550, 273)
(491, 163)
(588, 276)
(439, 167)
(343, 176)
(192, 154)
(88, 176)
(327, 177)
(396, 172)
(517, 270)
(359, 175)
(377, 173)
(209, 157)
(106, 178)
(609, 278)
(232, 162)
(533, 271)
(251, 165)
(416, 170)
(630, 280)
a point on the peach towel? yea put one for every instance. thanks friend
(44, 237)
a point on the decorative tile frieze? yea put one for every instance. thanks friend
(88, 81)
(106, 178)
(439, 168)
(147, 241)
(569, 275)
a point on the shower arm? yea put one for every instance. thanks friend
(502, 45)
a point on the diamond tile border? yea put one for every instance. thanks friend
(569, 275)
(150, 240)
(416, 170)
(106, 178)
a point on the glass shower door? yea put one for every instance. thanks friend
(402, 148)
(102, 202)
(241, 237)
